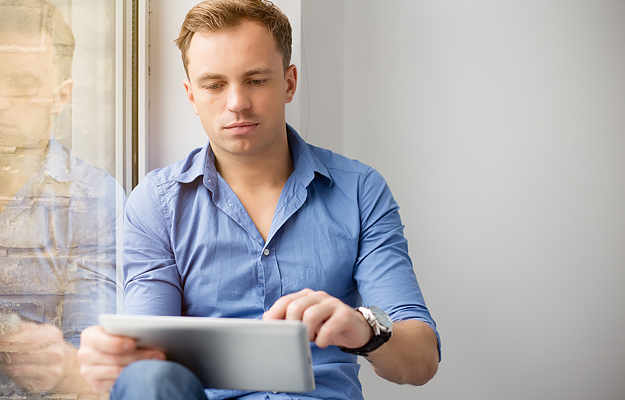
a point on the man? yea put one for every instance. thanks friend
(57, 213)
(260, 224)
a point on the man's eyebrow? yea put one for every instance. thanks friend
(209, 77)
(256, 71)
(259, 71)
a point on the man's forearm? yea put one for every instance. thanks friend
(410, 356)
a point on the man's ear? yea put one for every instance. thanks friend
(63, 96)
(187, 86)
(291, 82)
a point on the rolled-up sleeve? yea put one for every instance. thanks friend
(384, 272)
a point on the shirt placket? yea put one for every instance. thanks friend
(268, 272)
(271, 267)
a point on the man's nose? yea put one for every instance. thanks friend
(238, 98)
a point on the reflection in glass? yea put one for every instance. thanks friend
(58, 214)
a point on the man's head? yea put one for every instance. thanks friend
(214, 15)
(36, 48)
(237, 81)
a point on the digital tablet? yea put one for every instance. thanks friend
(227, 353)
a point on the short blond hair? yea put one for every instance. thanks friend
(214, 15)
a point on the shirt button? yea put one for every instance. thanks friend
(266, 252)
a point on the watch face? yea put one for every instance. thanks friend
(382, 318)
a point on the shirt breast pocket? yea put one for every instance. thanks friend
(321, 259)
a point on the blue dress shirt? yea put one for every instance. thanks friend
(190, 248)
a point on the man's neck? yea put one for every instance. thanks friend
(258, 182)
(256, 173)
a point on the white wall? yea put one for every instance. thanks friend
(500, 127)
(174, 129)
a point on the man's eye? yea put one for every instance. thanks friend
(214, 86)
(257, 82)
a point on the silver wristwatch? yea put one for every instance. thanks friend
(382, 330)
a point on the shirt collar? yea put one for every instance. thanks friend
(200, 162)
(305, 163)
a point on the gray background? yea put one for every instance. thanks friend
(500, 128)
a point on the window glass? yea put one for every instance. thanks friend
(60, 204)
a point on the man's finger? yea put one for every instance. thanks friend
(295, 309)
(346, 327)
(92, 357)
(101, 370)
(96, 338)
(278, 309)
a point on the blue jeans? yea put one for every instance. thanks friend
(157, 380)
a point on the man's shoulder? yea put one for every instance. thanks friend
(336, 162)
(185, 170)
(162, 185)
(345, 172)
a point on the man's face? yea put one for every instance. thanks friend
(30, 90)
(238, 87)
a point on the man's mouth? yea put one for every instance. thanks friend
(241, 128)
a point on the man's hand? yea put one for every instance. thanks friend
(103, 357)
(410, 356)
(36, 357)
(329, 320)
